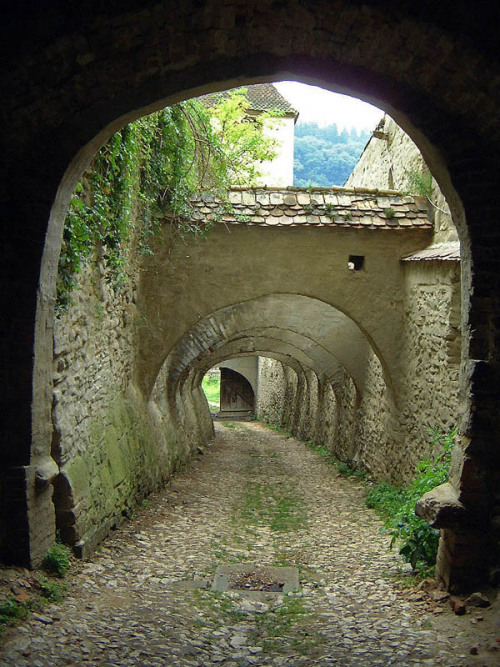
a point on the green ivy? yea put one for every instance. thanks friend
(153, 168)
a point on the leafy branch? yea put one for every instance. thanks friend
(152, 169)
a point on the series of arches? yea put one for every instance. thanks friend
(292, 327)
(73, 75)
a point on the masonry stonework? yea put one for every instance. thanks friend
(112, 445)
(386, 433)
(73, 74)
(389, 160)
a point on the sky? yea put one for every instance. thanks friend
(325, 108)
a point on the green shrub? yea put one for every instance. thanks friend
(386, 499)
(57, 560)
(322, 451)
(348, 471)
(419, 182)
(343, 468)
(418, 541)
(11, 610)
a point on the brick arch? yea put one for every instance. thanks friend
(73, 75)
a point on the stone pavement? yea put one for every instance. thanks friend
(255, 497)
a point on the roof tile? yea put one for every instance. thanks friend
(338, 207)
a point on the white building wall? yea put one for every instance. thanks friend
(279, 172)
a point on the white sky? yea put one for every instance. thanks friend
(325, 108)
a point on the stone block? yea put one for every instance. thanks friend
(235, 196)
(441, 507)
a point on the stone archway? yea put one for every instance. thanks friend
(433, 69)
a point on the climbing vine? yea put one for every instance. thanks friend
(152, 169)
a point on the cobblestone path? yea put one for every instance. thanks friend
(254, 497)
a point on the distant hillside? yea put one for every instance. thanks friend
(324, 156)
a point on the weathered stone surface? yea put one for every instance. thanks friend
(441, 507)
(130, 604)
(386, 440)
(440, 596)
(478, 600)
(112, 445)
(390, 161)
(46, 471)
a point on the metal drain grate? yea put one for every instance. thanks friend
(249, 577)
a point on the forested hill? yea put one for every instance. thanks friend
(324, 156)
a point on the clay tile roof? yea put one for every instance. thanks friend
(261, 97)
(265, 97)
(324, 207)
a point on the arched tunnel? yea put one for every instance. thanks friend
(433, 68)
(318, 343)
(339, 338)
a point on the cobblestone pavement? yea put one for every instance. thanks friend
(257, 497)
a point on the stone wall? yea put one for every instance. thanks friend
(388, 159)
(274, 386)
(328, 414)
(386, 435)
(431, 354)
(383, 430)
(112, 445)
(431, 344)
(390, 439)
(356, 431)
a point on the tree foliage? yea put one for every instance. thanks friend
(151, 169)
(324, 156)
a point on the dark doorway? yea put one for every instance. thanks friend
(237, 398)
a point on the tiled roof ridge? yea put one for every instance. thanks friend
(266, 97)
(447, 251)
(325, 207)
(323, 188)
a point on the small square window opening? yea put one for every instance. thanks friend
(356, 262)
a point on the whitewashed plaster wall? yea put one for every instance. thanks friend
(279, 171)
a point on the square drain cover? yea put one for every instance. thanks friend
(256, 578)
